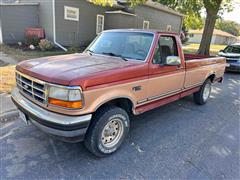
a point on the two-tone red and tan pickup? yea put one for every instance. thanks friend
(90, 96)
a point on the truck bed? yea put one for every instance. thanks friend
(195, 56)
(199, 67)
(196, 60)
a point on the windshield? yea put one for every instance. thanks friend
(127, 45)
(232, 49)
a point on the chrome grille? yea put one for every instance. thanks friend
(32, 87)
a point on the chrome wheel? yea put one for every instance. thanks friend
(207, 91)
(112, 133)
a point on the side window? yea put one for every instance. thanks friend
(191, 35)
(167, 46)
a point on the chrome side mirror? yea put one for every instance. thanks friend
(173, 61)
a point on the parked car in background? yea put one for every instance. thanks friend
(232, 55)
(91, 96)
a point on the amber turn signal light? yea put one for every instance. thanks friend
(66, 104)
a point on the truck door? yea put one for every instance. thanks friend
(165, 79)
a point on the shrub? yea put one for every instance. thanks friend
(73, 49)
(45, 45)
(76, 49)
(32, 40)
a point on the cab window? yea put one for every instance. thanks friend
(167, 46)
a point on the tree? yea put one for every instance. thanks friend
(102, 2)
(193, 21)
(213, 9)
(190, 8)
(228, 26)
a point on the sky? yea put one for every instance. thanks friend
(235, 14)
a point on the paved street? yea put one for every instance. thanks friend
(178, 141)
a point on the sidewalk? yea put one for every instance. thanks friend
(6, 60)
(7, 108)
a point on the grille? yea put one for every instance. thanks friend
(231, 61)
(31, 87)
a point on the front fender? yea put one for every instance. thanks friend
(95, 99)
(112, 96)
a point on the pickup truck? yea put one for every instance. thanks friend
(91, 96)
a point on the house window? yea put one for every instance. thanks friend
(169, 28)
(191, 35)
(100, 23)
(145, 24)
(71, 13)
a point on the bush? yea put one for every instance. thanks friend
(45, 45)
(73, 49)
(32, 40)
(76, 49)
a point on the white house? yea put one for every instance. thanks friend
(219, 37)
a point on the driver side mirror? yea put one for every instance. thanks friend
(173, 61)
(221, 51)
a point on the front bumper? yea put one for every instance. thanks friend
(65, 127)
(235, 67)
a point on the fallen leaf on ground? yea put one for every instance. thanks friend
(7, 79)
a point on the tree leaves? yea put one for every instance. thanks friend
(102, 2)
(111, 2)
(228, 26)
(190, 8)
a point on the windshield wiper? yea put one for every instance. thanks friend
(115, 55)
(90, 51)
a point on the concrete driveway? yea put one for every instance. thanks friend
(178, 141)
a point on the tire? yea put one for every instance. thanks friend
(201, 97)
(108, 129)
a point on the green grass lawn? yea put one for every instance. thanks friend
(192, 48)
(19, 54)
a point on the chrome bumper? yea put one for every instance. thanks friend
(60, 125)
(235, 67)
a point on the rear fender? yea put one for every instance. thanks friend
(211, 76)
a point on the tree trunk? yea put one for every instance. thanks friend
(207, 33)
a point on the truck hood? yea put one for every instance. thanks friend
(74, 69)
(229, 55)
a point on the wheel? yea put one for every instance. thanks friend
(201, 97)
(107, 131)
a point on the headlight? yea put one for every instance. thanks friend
(69, 97)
